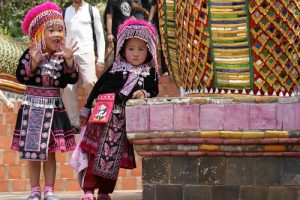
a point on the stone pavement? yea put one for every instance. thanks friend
(117, 195)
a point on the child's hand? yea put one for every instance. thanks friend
(139, 94)
(68, 50)
(36, 56)
(110, 38)
(100, 68)
(83, 121)
(10, 105)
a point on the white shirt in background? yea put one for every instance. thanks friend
(79, 28)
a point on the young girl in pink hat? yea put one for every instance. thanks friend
(132, 75)
(43, 126)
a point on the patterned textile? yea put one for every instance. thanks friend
(109, 153)
(109, 144)
(38, 108)
(35, 132)
(42, 125)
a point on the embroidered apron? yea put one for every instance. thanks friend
(38, 109)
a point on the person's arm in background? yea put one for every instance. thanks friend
(7, 102)
(110, 36)
(109, 14)
(138, 8)
(153, 10)
(100, 42)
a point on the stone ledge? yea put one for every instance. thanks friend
(215, 126)
(215, 99)
(179, 114)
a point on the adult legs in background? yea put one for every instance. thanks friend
(86, 64)
(71, 104)
(87, 69)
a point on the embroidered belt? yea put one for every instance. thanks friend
(43, 92)
(42, 97)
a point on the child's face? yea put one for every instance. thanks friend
(53, 37)
(135, 51)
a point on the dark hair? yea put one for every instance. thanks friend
(122, 53)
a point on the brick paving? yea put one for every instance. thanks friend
(117, 195)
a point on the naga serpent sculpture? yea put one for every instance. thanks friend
(232, 47)
(10, 52)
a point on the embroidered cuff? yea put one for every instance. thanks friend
(85, 112)
(28, 69)
(69, 70)
(146, 94)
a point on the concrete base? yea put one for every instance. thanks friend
(220, 178)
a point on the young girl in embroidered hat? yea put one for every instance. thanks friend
(132, 75)
(43, 126)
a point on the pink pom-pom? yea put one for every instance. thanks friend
(31, 14)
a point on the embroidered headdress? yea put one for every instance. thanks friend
(38, 19)
(135, 28)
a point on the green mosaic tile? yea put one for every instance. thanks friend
(265, 53)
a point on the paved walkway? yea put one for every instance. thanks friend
(117, 195)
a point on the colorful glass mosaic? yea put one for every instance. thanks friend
(10, 52)
(230, 44)
(168, 35)
(233, 46)
(274, 28)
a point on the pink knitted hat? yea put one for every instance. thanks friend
(133, 21)
(136, 28)
(40, 16)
